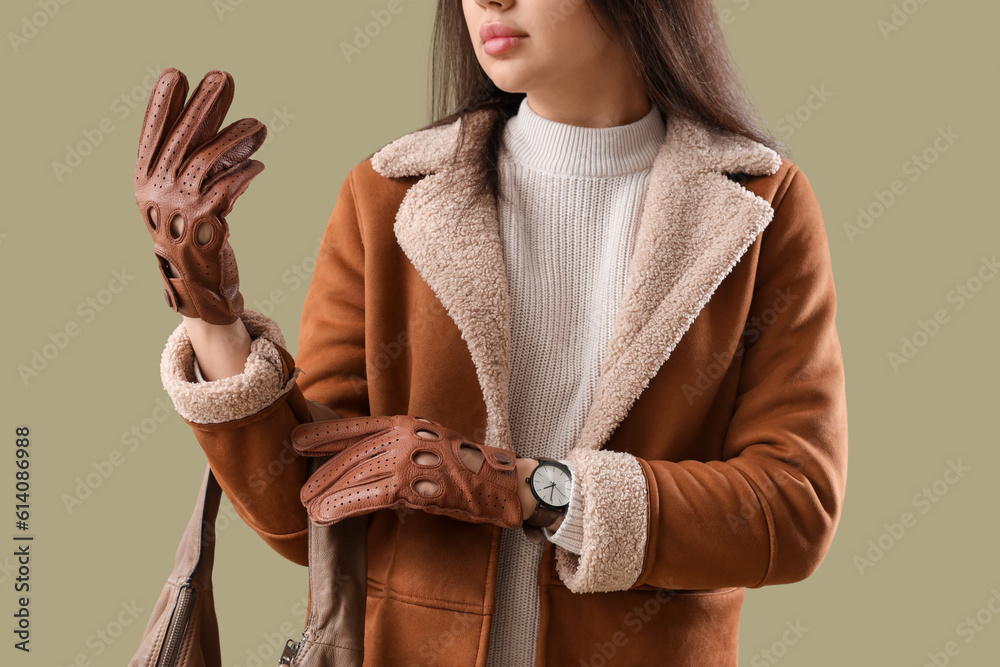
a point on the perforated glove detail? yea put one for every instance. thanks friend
(373, 466)
(188, 174)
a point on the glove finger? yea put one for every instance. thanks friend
(333, 478)
(362, 464)
(229, 185)
(323, 513)
(334, 435)
(235, 144)
(342, 502)
(162, 110)
(372, 459)
(319, 481)
(200, 121)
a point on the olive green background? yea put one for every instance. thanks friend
(886, 96)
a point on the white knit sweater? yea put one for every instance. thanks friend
(571, 198)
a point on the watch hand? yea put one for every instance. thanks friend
(544, 489)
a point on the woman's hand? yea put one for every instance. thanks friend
(473, 458)
(404, 461)
(188, 175)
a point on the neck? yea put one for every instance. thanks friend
(546, 145)
(601, 110)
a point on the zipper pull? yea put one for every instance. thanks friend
(291, 648)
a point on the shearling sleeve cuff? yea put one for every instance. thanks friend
(615, 519)
(570, 533)
(260, 384)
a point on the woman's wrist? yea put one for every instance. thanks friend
(221, 349)
(524, 466)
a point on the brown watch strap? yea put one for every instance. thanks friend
(534, 533)
(543, 516)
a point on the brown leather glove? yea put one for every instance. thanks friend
(187, 177)
(374, 468)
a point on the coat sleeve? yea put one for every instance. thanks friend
(766, 512)
(243, 423)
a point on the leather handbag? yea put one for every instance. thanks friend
(183, 630)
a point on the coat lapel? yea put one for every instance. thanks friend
(695, 225)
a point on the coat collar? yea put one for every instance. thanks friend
(695, 225)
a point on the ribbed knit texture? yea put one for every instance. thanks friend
(569, 212)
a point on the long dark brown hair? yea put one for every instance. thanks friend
(676, 45)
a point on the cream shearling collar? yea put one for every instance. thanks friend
(695, 225)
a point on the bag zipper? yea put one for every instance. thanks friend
(178, 626)
(290, 650)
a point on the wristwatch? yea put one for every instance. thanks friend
(550, 483)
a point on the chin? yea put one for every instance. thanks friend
(509, 89)
(506, 80)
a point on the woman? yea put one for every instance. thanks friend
(598, 257)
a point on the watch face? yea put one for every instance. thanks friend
(551, 484)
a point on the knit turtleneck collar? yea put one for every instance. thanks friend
(560, 148)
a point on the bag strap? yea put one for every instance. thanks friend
(334, 635)
(196, 551)
(183, 625)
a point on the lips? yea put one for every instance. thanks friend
(498, 38)
(495, 29)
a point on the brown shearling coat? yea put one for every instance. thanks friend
(713, 457)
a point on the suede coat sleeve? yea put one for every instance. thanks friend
(767, 512)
